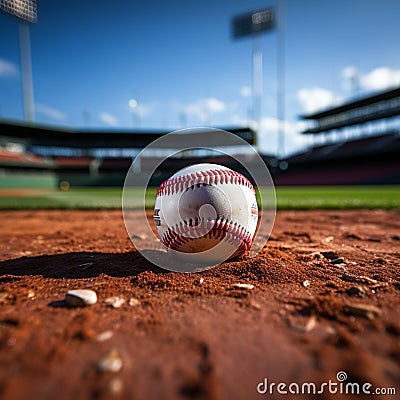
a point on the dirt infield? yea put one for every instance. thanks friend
(325, 299)
(20, 192)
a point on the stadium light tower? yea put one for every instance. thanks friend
(280, 100)
(254, 24)
(26, 12)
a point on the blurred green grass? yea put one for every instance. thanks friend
(288, 198)
(338, 197)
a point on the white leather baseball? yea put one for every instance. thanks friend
(206, 209)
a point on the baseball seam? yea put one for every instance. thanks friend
(212, 176)
(223, 229)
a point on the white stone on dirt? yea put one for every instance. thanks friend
(133, 302)
(80, 297)
(309, 325)
(103, 336)
(243, 286)
(110, 362)
(115, 302)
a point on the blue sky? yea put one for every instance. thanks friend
(178, 60)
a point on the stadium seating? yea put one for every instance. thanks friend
(22, 159)
(368, 160)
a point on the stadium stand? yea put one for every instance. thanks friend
(87, 158)
(370, 159)
(23, 160)
(114, 164)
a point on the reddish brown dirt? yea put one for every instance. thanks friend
(20, 192)
(306, 318)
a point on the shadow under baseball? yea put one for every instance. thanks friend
(77, 265)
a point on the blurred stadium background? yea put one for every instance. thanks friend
(355, 143)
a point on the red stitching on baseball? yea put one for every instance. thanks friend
(222, 229)
(213, 176)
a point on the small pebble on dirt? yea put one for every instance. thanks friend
(80, 298)
(115, 301)
(243, 286)
(110, 362)
(133, 302)
(103, 336)
(309, 325)
(306, 283)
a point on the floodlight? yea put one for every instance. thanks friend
(253, 23)
(22, 9)
(133, 103)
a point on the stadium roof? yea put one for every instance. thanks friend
(382, 105)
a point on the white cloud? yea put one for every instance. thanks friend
(8, 69)
(108, 119)
(380, 78)
(377, 79)
(204, 108)
(270, 127)
(317, 98)
(50, 112)
(349, 72)
(245, 91)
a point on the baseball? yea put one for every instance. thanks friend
(208, 210)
